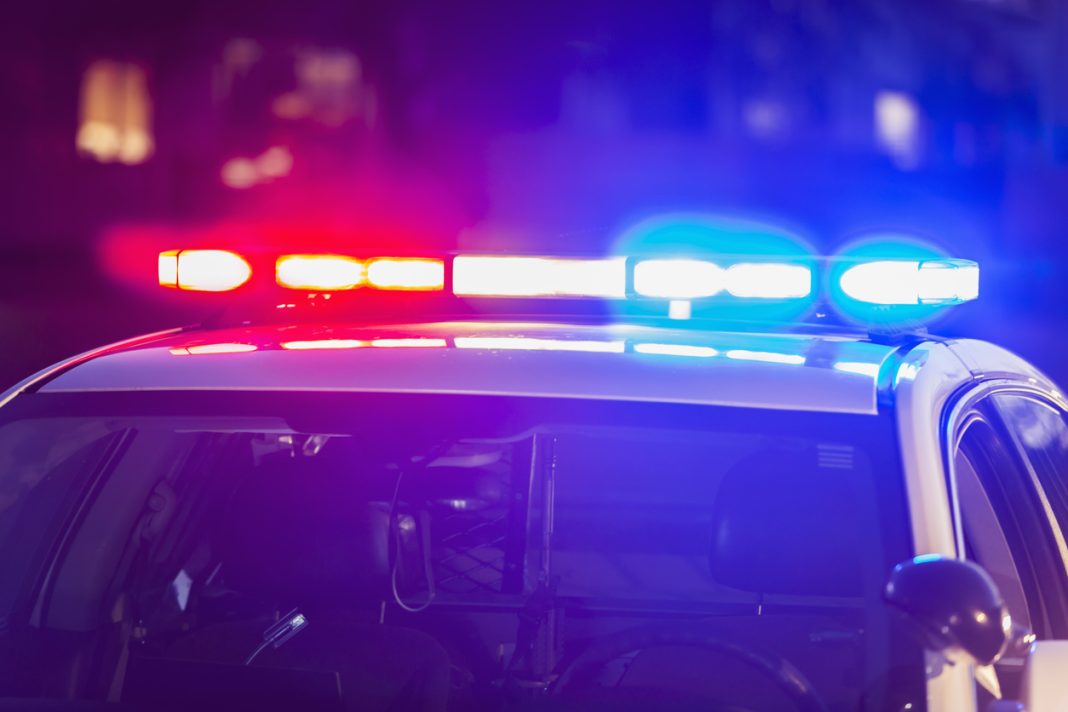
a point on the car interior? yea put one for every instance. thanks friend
(549, 568)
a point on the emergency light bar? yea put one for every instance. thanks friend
(878, 283)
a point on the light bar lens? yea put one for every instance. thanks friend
(168, 268)
(320, 272)
(856, 281)
(912, 282)
(203, 270)
(406, 274)
(769, 281)
(694, 279)
(949, 281)
(538, 277)
(678, 279)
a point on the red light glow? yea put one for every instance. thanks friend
(406, 274)
(203, 270)
(321, 272)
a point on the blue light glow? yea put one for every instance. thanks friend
(912, 282)
(765, 271)
(769, 280)
(888, 279)
(678, 279)
(694, 279)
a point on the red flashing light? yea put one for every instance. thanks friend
(222, 270)
(203, 270)
(415, 274)
(327, 273)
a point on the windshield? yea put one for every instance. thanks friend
(321, 551)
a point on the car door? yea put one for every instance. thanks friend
(1003, 520)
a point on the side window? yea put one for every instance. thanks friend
(977, 465)
(44, 465)
(1006, 528)
(1042, 435)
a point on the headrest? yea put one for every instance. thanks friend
(783, 524)
(300, 534)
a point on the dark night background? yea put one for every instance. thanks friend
(540, 126)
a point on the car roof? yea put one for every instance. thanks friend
(805, 372)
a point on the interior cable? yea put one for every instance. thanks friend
(395, 541)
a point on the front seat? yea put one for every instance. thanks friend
(298, 538)
(783, 528)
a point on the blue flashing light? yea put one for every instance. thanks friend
(892, 279)
(742, 269)
(769, 280)
(912, 282)
(695, 279)
(678, 279)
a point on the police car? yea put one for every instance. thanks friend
(368, 484)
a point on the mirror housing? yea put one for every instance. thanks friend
(954, 605)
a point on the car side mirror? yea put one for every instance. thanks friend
(954, 606)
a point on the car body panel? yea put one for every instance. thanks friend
(987, 361)
(924, 384)
(57, 368)
(844, 373)
(775, 371)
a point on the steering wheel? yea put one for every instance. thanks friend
(582, 671)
